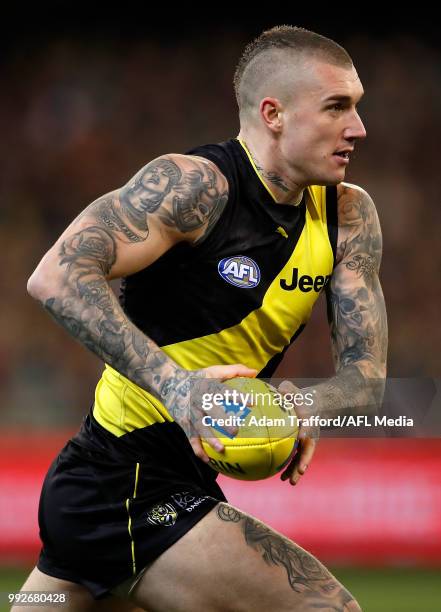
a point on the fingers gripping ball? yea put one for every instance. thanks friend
(267, 432)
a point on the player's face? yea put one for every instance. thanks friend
(321, 125)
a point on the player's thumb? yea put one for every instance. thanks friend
(238, 369)
(287, 387)
(225, 372)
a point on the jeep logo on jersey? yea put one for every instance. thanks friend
(305, 283)
(239, 271)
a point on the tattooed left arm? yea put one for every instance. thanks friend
(358, 325)
(356, 312)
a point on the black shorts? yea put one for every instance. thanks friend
(109, 506)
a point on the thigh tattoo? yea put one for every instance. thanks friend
(305, 574)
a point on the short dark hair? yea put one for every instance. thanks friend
(260, 56)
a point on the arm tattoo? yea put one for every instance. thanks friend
(185, 198)
(356, 313)
(305, 574)
(91, 246)
(86, 306)
(355, 300)
(186, 195)
(198, 201)
(147, 192)
(110, 218)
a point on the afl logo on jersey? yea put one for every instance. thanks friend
(239, 271)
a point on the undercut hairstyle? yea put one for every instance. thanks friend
(269, 63)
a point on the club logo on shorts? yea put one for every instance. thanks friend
(239, 271)
(163, 515)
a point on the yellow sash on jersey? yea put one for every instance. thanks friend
(122, 406)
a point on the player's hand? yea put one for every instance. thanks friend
(222, 373)
(185, 401)
(306, 442)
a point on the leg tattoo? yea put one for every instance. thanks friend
(305, 574)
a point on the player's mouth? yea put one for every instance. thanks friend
(343, 156)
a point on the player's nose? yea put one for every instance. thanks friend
(355, 129)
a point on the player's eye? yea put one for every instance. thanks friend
(338, 106)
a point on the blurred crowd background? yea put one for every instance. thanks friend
(85, 101)
(82, 110)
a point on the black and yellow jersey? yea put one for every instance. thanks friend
(240, 296)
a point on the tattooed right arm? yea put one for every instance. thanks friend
(174, 198)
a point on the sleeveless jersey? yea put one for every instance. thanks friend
(242, 295)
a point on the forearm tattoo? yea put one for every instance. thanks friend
(356, 311)
(188, 196)
(87, 308)
(358, 316)
(306, 575)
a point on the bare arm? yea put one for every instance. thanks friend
(356, 311)
(173, 198)
(358, 324)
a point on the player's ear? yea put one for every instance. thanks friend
(271, 111)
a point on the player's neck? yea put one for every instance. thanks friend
(284, 189)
